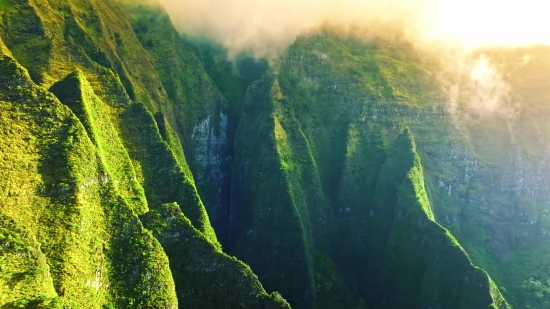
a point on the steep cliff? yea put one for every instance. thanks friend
(67, 201)
(99, 206)
(314, 178)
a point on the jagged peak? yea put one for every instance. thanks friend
(69, 87)
(12, 72)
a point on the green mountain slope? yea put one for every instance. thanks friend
(70, 205)
(91, 165)
(198, 110)
(313, 178)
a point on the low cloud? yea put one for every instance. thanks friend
(447, 30)
(266, 27)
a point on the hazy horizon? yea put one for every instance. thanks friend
(268, 27)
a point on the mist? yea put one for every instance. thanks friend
(446, 30)
(267, 27)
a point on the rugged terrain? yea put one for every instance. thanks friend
(143, 169)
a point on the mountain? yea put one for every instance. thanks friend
(143, 169)
(99, 208)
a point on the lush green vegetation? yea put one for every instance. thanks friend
(335, 173)
(80, 162)
(198, 111)
(77, 94)
(67, 191)
(205, 276)
(312, 155)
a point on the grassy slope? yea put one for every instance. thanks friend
(76, 93)
(95, 40)
(73, 209)
(3, 49)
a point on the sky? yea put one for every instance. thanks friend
(267, 27)
(483, 22)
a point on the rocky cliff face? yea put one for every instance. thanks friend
(316, 153)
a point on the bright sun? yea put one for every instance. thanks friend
(497, 22)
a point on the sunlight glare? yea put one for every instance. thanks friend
(493, 22)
